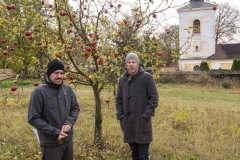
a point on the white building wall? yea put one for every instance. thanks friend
(205, 40)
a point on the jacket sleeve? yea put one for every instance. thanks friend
(74, 111)
(35, 108)
(153, 96)
(119, 102)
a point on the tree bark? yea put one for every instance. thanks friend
(98, 117)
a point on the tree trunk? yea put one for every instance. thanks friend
(98, 117)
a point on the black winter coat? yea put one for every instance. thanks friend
(136, 100)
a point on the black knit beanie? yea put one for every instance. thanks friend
(53, 66)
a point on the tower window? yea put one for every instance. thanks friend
(196, 26)
(196, 48)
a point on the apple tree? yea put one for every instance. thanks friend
(90, 37)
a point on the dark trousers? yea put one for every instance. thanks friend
(60, 152)
(139, 151)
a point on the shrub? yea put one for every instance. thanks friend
(203, 79)
(181, 120)
(6, 84)
(226, 83)
(236, 64)
(204, 66)
(26, 82)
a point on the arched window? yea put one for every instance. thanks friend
(196, 68)
(196, 26)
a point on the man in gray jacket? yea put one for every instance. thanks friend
(53, 110)
(136, 100)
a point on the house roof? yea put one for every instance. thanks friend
(226, 51)
(196, 4)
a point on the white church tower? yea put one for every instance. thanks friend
(200, 43)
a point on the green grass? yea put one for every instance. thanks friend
(191, 123)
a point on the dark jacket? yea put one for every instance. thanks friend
(50, 108)
(136, 100)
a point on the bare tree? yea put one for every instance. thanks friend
(227, 23)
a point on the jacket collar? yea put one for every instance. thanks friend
(129, 78)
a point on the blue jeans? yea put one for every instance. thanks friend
(139, 151)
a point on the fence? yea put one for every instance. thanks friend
(7, 73)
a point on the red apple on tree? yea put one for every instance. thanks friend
(27, 33)
(119, 5)
(96, 57)
(3, 41)
(107, 100)
(39, 43)
(92, 43)
(154, 15)
(69, 51)
(30, 37)
(58, 55)
(35, 84)
(5, 53)
(121, 69)
(63, 13)
(111, 5)
(115, 55)
(88, 49)
(132, 45)
(11, 49)
(13, 6)
(214, 8)
(67, 67)
(159, 53)
(100, 62)
(13, 88)
(9, 7)
(15, 43)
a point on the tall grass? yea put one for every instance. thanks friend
(192, 122)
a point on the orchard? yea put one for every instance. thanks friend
(91, 38)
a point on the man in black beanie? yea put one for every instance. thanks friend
(53, 111)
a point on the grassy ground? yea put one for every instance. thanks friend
(191, 123)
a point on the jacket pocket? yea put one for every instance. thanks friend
(67, 99)
(145, 125)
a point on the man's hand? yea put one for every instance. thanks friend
(66, 128)
(62, 135)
